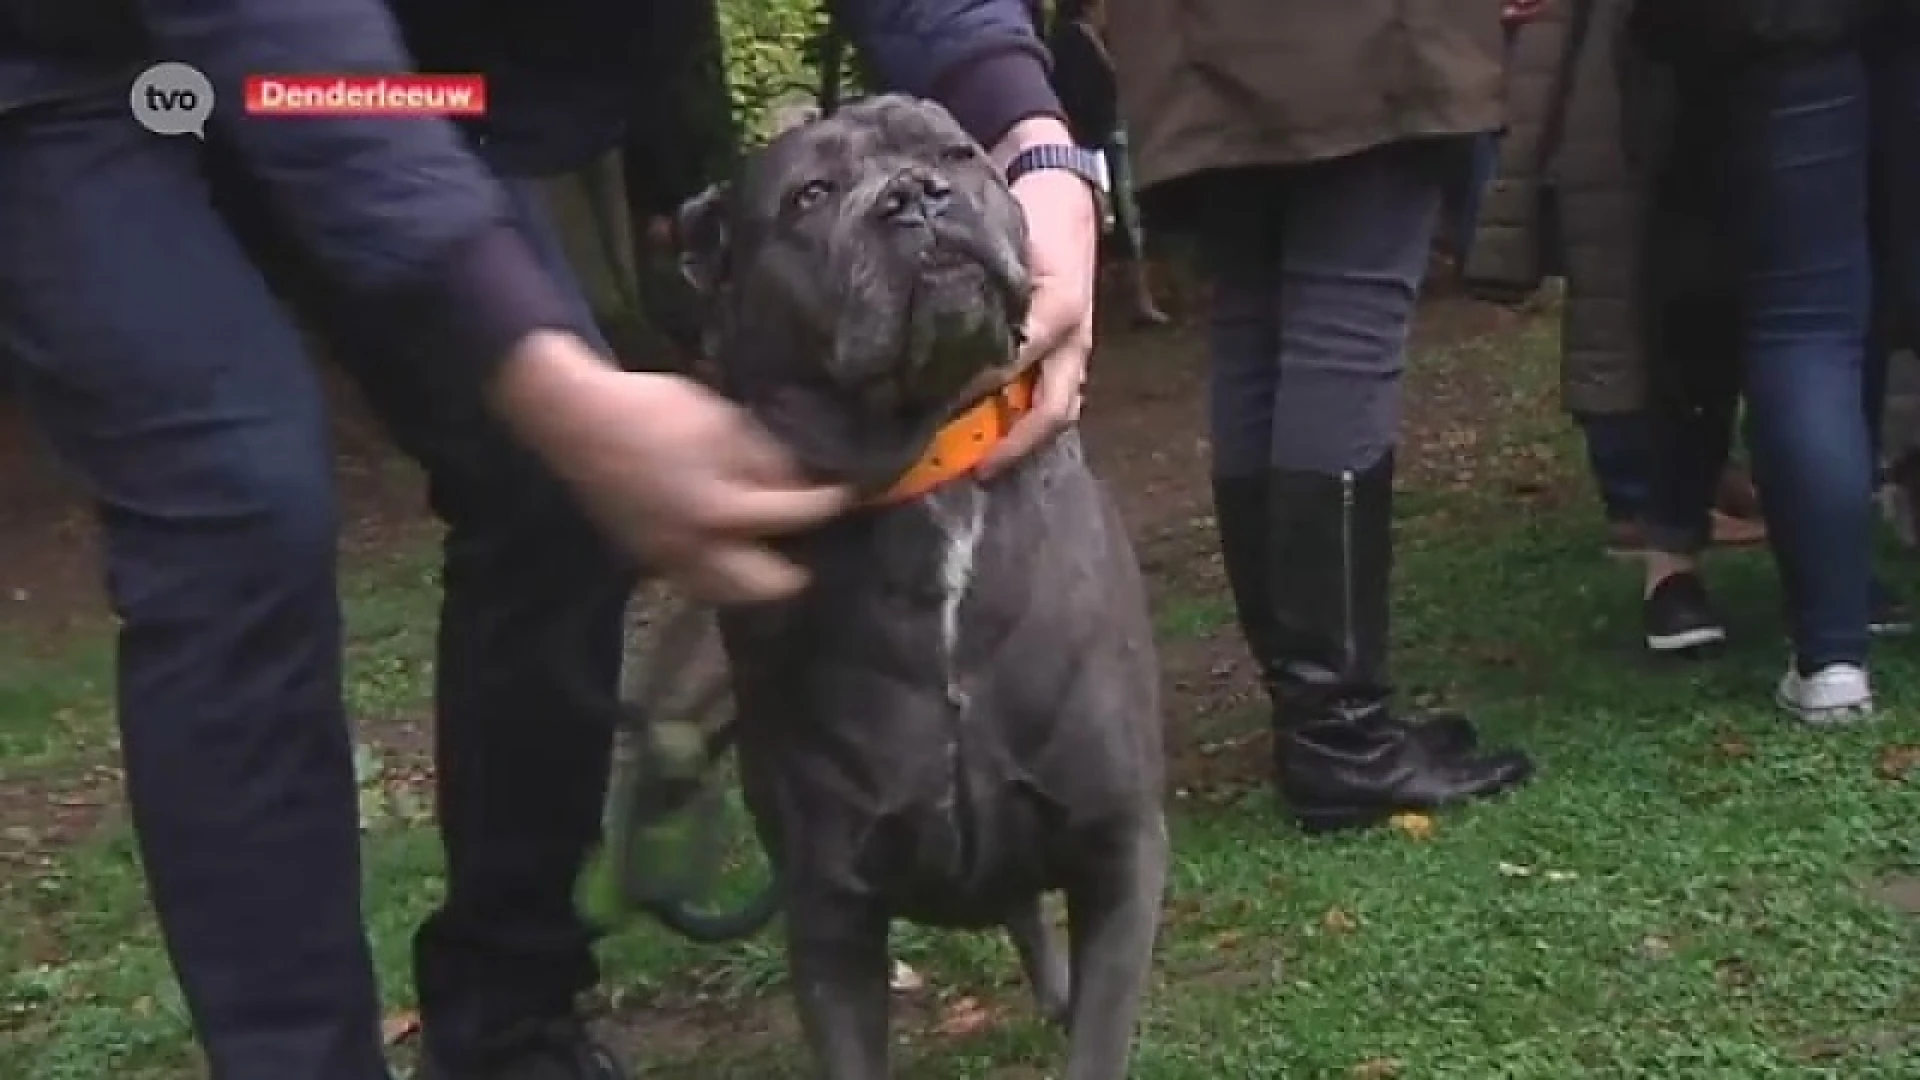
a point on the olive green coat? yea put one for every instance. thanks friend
(1221, 84)
(1592, 216)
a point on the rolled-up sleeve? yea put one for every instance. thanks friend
(982, 59)
(398, 211)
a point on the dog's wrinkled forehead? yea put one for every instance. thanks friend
(862, 136)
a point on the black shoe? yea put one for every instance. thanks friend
(1348, 772)
(1887, 614)
(1241, 516)
(1679, 616)
(556, 1050)
(1342, 759)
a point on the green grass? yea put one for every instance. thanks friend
(1688, 890)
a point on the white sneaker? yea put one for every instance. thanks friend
(1836, 694)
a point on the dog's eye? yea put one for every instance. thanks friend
(811, 195)
(959, 153)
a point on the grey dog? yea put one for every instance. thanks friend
(961, 714)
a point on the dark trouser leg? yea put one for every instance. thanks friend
(1242, 250)
(1690, 316)
(527, 671)
(1896, 97)
(1617, 457)
(1896, 90)
(1693, 380)
(164, 373)
(1352, 244)
(1808, 283)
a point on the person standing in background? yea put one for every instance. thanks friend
(1084, 80)
(1569, 199)
(1307, 148)
(1821, 195)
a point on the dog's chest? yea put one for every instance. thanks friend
(961, 835)
(913, 719)
(960, 520)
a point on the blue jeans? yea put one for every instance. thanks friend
(1811, 144)
(137, 293)
(1619, 455)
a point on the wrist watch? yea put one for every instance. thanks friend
(1081, 162)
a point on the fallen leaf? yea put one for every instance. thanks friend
(1733, 973)
(1339, 921)
(1897, 762)
(1227, 941)
(1381, 1068)
(906, 980)
(1732, 746)
(1413, 826)
(1655, 947)
(965, 1016)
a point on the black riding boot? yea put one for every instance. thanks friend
(1341, 759)
(1243, 519)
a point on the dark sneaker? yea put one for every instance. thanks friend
(559, 1050)
(1887, 614)
(1680, 618)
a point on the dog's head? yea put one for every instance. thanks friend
(865, 278)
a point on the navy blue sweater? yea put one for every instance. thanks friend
(401, 211)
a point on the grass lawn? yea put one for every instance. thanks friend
(1692, 889)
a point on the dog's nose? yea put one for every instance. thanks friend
(914, 198)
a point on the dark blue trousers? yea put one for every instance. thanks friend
(146, 296)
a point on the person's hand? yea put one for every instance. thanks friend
(1063, 235)
(679, 475)
(1515, 12)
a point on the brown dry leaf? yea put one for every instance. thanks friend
(1413, 826)
(1734, 747)
(1339, 921)
(964, 1016)
(1733, 973)
(1380, 1068)
(1897, 762)
(1227, 941)
(399, 1027)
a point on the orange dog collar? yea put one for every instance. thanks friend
(967, 439)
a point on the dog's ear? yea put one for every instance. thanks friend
(701, 228)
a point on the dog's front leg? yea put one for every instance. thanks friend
(1113, 917)
(840, 967)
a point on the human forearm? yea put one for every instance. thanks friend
(982, 59)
